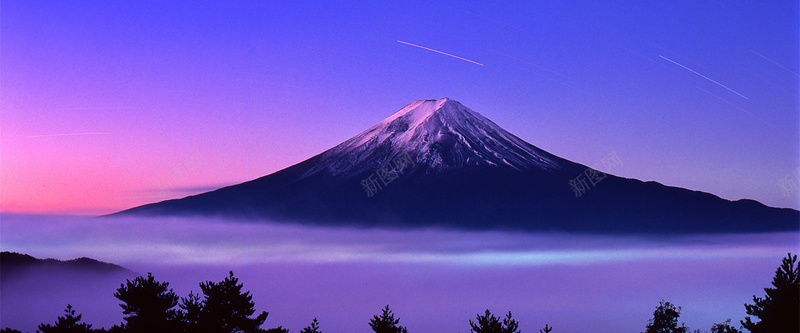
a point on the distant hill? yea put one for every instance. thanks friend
(33, 289)
(12, 263)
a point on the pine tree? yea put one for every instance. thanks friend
(278, 329)
(386, 323)
(488, 323)
(724, 327)
(546, 329)
(313, 328)
(665, 319)
(69, 323)
(226, 309)
(779, 310)
(149, 305)
(192, 308)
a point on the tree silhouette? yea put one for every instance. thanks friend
(313, 328)
(488, 323)
(779, 310)
(386, 323)
(192, 311)
(546, 329)
(665, 319)
(115, 329)
(148, 305)
(725, 327)
(69, 323)
(225, 308)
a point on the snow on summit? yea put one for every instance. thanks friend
(460, 170)
(440, 134)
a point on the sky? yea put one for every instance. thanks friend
(109, 105)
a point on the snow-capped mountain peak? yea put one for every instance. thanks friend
(440, 134)
(436, 163)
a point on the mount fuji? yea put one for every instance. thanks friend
(436, 163)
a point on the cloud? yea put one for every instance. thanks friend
(207, 240)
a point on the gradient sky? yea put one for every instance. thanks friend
(109, 105)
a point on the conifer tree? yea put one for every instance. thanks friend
(386, 323)
(69, 323)
(779, 309)
(313, 328)
(148, 305)
(665, 319)
(226, 309)
(724, 327)
(488, 323)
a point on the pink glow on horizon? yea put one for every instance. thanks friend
(51, 173)
(257, 87)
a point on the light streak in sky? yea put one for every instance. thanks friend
(68, 134)
(743, 110)
(440, 52)
(703, 76)
(772, 61)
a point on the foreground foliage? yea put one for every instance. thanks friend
(488, 323)
(779, 309)
(151, 306)
(386, 323)
(68, 323)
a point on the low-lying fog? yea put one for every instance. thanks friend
(434, 280)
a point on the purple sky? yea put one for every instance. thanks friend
(108, 105)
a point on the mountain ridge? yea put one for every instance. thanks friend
(461, 170)
(12, 262)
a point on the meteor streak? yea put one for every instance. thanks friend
(440, 52)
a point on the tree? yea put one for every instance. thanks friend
(665, 319)
(313, 328)
(488, 323)
(779, 310)
(69, 323)
(725, 327)
(278, 329)
(148, 305)
(226, 309)
(546, 329)
(116, 329)
(386, 323)
(192, 308)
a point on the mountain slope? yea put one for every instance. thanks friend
(438, 163)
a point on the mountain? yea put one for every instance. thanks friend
(436, 163)
(33, 289)
(13, 264)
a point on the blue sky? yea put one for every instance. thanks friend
(101, 100)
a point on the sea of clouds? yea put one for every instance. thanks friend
(434, 280)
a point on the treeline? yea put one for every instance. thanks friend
(150, 306)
